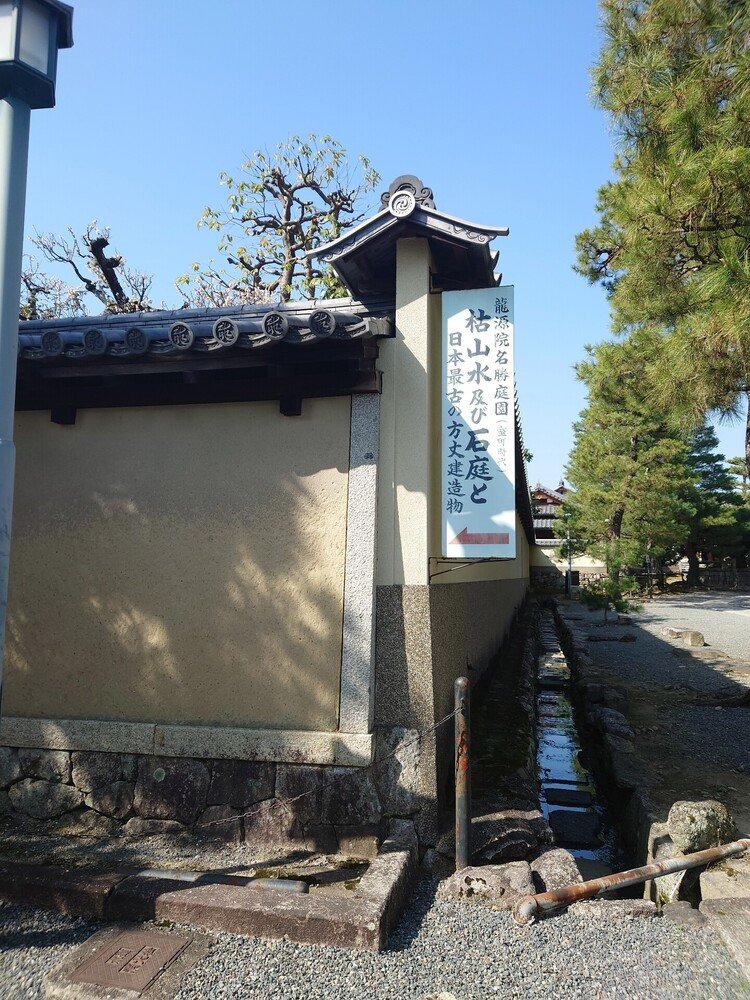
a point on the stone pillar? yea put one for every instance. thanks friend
(405, 697)
(406, 406)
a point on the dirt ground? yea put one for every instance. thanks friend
(689, 707)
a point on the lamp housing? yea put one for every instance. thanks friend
(31, 32)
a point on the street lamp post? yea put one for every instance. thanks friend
(31, 32)
(569, 574)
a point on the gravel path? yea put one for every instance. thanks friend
(654, 660)
(470, 951)
(724, 619)
(32, 943)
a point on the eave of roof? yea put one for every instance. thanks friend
(365, 257)
(553, 495)
(523, 496)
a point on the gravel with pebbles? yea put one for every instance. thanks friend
(470, 951)
(32, 942)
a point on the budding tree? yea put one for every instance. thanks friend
(300, 196)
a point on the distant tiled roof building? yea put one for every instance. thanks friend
(546, 509)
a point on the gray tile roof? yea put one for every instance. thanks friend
(201, 331)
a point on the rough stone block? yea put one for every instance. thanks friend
(358, 841)
(90, 770)
(320, 838)
(729, 880)
(601, 694)
(608, 720)
(82, 823)
(140, 827)
(129, 764)
(350, 797)
(51, 765)
(44, 799)
(689, 636)
(695, 826)
(397, 779)
(173, 789)
(684, 915)
(271, 824)
(500, 885)
(10, 766)
(560, 796)
(301, 789)
(692, 638)
(676, 886)
(240, 783)
(112, 800)
(499, 835)
(554, 869)
(220, 823)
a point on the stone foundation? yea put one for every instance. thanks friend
(426, 636)
(265, 805)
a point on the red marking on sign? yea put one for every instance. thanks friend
(465, 537)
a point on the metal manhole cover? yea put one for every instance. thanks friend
(134, 960)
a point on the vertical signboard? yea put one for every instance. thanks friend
(478, 425)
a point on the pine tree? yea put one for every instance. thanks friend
(717, 526)
(738, 468)
(673, 242)
(629, 465)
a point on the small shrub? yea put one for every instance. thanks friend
(609, 595)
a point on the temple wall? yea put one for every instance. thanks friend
(435, 620)
(181, 575)
(180, 564)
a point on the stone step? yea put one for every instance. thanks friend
(572, 827)
(556, 682)
(560, 796)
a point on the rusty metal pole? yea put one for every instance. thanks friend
(463, 773)
(529, 907)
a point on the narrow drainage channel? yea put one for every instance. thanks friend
(569, 797)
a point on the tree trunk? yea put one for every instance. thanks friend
(108, 267)
(747, 434)
(615, 530)
(694, 572)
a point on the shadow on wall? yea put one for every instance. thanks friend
(180, 564)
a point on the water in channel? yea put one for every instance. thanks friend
(568, 793)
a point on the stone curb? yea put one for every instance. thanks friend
(362, 919)
(730, 918)
(617, 758)
(76, 893)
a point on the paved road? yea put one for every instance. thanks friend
(724, 619)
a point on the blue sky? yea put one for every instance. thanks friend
(487, 101)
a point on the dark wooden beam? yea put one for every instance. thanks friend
(130, 392)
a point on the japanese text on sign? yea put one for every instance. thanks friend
(478, 424)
